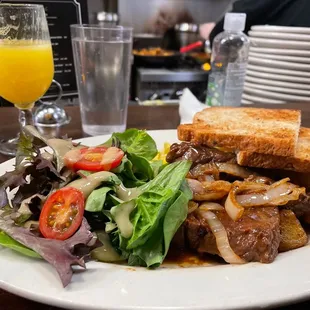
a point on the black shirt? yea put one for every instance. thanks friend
(271, 12)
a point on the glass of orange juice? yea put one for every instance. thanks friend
(26, 60)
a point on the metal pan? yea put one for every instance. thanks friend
(157, 61)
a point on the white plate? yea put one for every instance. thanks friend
(278, 77)
(279, 64)
(278, 89)
(269, 81)
(279, 35)
(244, 101)
(261, 100)
(304, 60)
(259, 42)
(280, 51)
(278, 71)
(274, 95)
(268, 28)
(108, 286)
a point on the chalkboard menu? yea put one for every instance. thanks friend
(60, 15)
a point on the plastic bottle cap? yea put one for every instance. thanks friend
(234, 21)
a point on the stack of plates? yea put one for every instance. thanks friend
(279, 65)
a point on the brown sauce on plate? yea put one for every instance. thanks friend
(186, 258)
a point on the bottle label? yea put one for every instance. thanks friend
(235, 76)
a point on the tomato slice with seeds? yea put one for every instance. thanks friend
(62, 213)
(94, 158)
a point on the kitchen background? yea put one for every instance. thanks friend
(137, 13)
(163, 82)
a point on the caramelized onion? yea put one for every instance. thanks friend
(192, 206)
(232, 207)
(234, 169)
(258, 194)
(209, 169)
(211, 206)
(206, 191)
(195, 186)
(221, 238)
(206, 178)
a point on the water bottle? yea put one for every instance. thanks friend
(228, 63)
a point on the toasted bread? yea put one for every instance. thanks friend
(300, 162)
(266, 131)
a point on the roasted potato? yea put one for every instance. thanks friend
(293, 235)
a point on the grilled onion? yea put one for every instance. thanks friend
(192, 206)
(258, 194)
(206, 178)
(221, 238)
(211, 206)
(206, 191)
(234, 170)
(209, 169)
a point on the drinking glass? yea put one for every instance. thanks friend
(102, 58)
(26, 60)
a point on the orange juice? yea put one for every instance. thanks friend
(26, 71)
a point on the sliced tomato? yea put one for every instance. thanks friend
(62, 213)
(94, 158)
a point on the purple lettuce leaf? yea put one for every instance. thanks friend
(57, 253)
(4, 201)
(43, 178)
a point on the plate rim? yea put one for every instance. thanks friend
(278, 77)
(289, 29)
(272, 82)
(290, 44)
(276, 89)
(279, 51)
(279, 35)
(261, 68)
(275, 63)
(275, 95)
(285, 58)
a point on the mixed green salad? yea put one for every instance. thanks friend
(113, 202)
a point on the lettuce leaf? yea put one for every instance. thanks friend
(160, 210)
(95, 201)
(8, 242)
(58, 253)
(134, 141)
(134, 171)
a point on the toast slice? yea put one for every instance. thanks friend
(300, 162)
(267, 131)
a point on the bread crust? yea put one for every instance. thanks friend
(299, 163)
(267, 131)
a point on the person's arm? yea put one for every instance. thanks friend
(258, 13)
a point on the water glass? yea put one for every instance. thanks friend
(102, 58)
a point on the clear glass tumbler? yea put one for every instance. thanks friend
(102, 58)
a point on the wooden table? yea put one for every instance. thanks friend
(164, 117)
